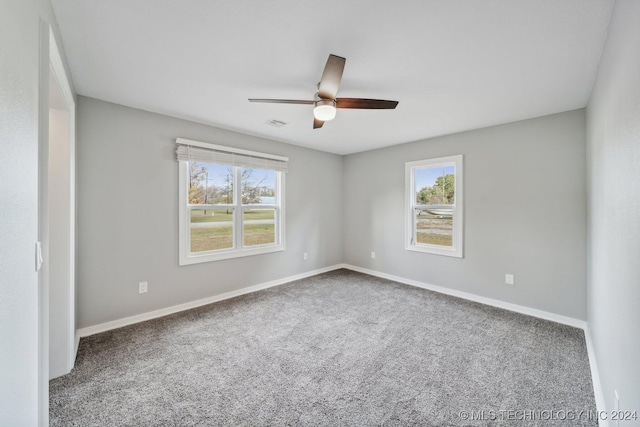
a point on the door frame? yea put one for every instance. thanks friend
(52, 70)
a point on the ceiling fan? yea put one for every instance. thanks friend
(325, 101)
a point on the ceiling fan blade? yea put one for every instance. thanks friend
(317, 123)
(331, 77)
(282, 101)
(367, 104)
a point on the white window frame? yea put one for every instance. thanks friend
(186, 257)
(411, 205)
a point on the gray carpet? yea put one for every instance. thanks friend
(340, 348)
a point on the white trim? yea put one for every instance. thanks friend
(59, 73)
(595, 377)
(541, 314)
(55, 60)
(103, 327)
(411, 244)
(210, 146)
(231, 253)
(52, 70)
(238, 226)
(183, 227)
(77, 343)
(565, 320)
(558, 318)
(186, 257)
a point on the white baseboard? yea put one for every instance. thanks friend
(570, 321)
(91, 330)
(119, 323)
(595, 377)
(565, 320)
(75, 351)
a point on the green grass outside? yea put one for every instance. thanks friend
(222, 215)
(221, 237)
(211, 238)
(259, 234)
(259, 214)
(435, 223)
(435, 239)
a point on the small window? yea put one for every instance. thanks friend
(434, 206)
(231, 202)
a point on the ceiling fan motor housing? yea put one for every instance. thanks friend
(325, 102)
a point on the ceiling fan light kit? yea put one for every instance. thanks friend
(325, 109)
(326, 103)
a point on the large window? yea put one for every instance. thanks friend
(231, 202)
(434, 206)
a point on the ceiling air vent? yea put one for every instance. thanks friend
(276, 123)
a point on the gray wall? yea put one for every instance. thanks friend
(128, 214)
(21, 124)
(613, 146)
(524, 213)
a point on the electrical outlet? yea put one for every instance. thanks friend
(373, 255)
(305, 256)
(143, 287)
(508, 279)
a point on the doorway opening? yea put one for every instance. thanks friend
(57, 224)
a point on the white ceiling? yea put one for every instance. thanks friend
(453, 65)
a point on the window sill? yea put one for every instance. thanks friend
(435, 250)
(219, 256)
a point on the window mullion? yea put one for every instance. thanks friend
(188, 226)
(238, 213)
(201, 242)
(414, 234)
(278, 217)
(433, 224)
